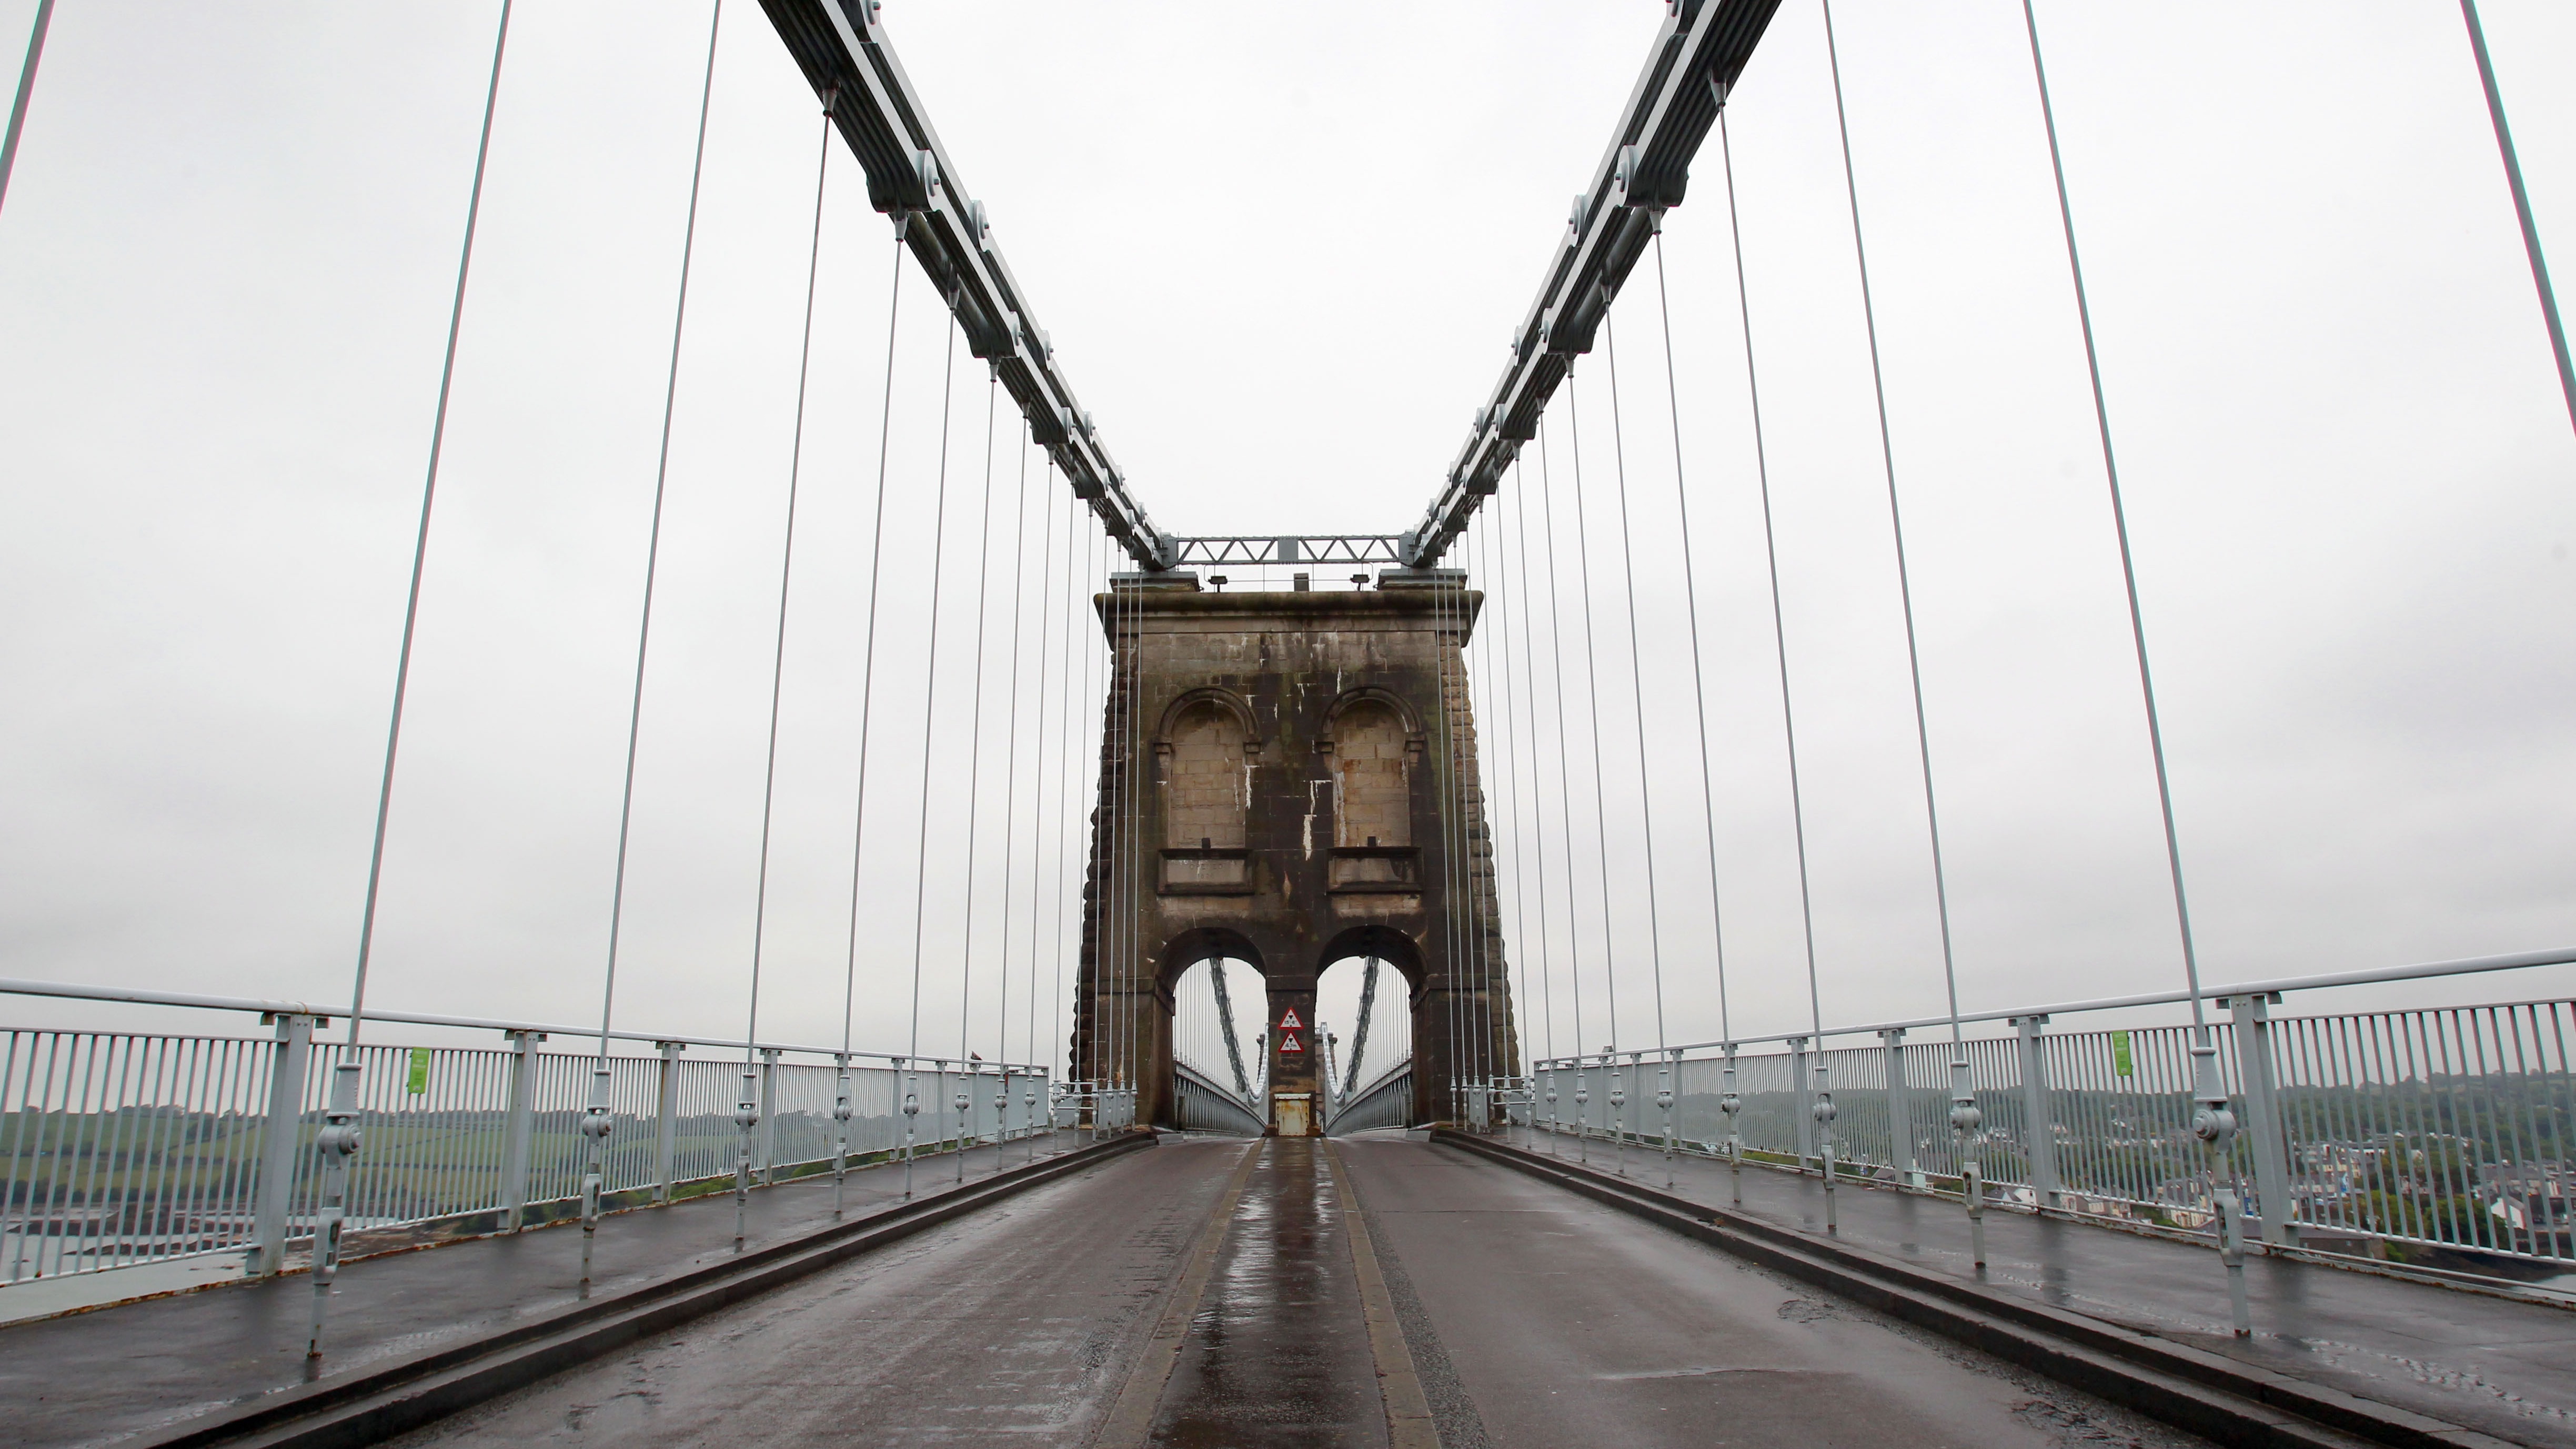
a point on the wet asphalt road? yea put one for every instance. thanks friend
(1533, 1318)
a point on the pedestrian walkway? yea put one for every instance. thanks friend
(2501, 1365)
(146, 1366)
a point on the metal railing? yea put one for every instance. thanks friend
(2409, 1134)
(1385, 1102)
(1207, 1107)
(120, 1148)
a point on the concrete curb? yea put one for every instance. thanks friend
(2201, 1392)
(402, 1394)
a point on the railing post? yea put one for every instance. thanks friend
(521, 1138)
(768, 1115)
(2263, 1116)
(1900, 1111)
(1799, 1085)
(2039, 1137)
(666, 1121)
(280, 1137)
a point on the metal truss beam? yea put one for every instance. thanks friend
(1331, 548)
(1702, 48)
(841, 46)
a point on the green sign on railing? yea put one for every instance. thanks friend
(2120, 1064)
(419, 1083)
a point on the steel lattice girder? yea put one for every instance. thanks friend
(1327, 548)
(841, 46)
(1702, 48)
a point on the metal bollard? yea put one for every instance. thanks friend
(2215, 1126)
(1731, 1104)
(1618, 1110)
(1965, 1119)
(841, 1114)
(1664, 1102)
(1824, 1115)
(746, 1116)
(595, 1124)
(1582, 1112)
(335, 1143)
(911, 1112)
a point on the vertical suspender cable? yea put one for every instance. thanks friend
(337, 1140)
(2504, 146)
(1637, 697)
(1896, 522)
(929, 708)
(1037, 783)
(1538, 792)
(1699, 681)
(2212, 1121)
(965, 1102)
(747, 1109)
(1461, 744)
(1512, 773)
(1131, 826)
(868, 663)
(1110, 834)
(2120, 527)
(1963, 1112)
(1592, 698)
(1490, 875)
(596, 1119)
(1779, 627)
(1010, 799)
(1070, 879)
(27, 90)
(1564, 782)
(1445, 779)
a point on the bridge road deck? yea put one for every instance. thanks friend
(1530, 1316)
(1533, 1317)
(2498, 1365)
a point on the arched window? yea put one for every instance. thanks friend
(1207, 788)
(1373, 761)
(1371, 764)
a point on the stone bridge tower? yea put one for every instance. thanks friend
(1289, 780)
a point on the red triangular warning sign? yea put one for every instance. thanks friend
(1289, 1047)
(1290, 1021)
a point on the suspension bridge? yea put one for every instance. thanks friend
(1286, 987)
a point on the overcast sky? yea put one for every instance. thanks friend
(1279, 251)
